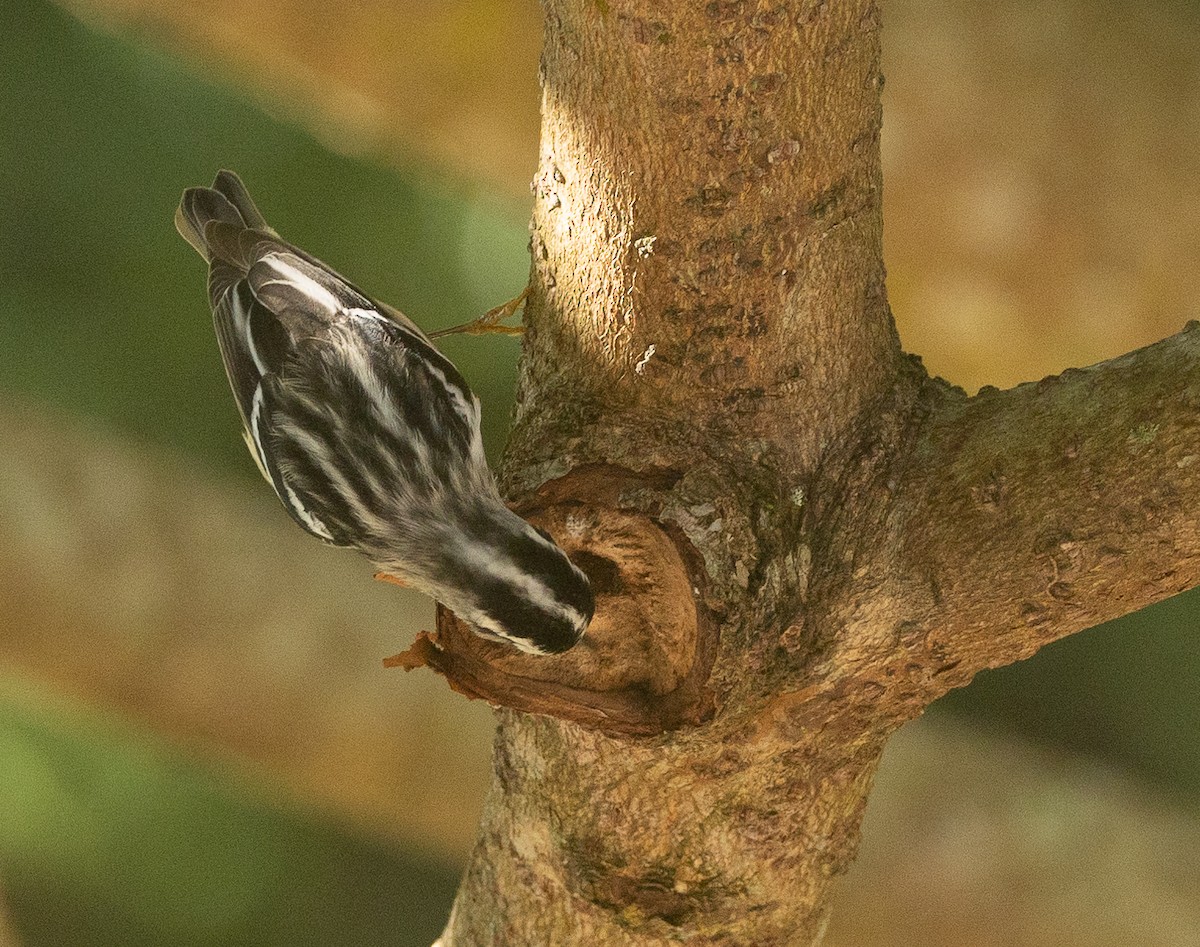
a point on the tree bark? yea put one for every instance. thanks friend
(797, 539)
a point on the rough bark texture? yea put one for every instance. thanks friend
(1029, 514)
(710, 364)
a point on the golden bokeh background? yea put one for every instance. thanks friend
(198, 743)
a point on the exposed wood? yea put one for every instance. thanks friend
(643, 666)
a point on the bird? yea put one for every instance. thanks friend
(369, 435)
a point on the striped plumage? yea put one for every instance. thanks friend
(370, 436)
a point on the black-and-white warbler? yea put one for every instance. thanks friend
(369, 435)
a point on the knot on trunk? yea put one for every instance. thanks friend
(643, 666)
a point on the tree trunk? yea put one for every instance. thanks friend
(797, 539)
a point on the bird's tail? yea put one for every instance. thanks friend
(227, 202)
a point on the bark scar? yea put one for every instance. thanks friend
(643, 666)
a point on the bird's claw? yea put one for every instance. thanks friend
(491, 321)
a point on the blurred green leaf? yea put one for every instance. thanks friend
(107, 838)
(103, 308)
(1125, 691)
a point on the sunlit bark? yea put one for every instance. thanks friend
(798, 540)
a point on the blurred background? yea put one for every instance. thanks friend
(198, 743)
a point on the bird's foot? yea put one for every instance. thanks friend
(390, 579)
(491, 321)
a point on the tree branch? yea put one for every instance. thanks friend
(1027, 515)
(707, 232)
(707, 314)
(798, 540)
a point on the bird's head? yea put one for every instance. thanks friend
(526, 592)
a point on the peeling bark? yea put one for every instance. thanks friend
(798, 539)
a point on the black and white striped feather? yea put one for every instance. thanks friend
(369, 436)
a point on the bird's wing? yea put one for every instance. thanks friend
(309, 300)
(320, 375)
(253, 347)
(303, 504)
(345, 402)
